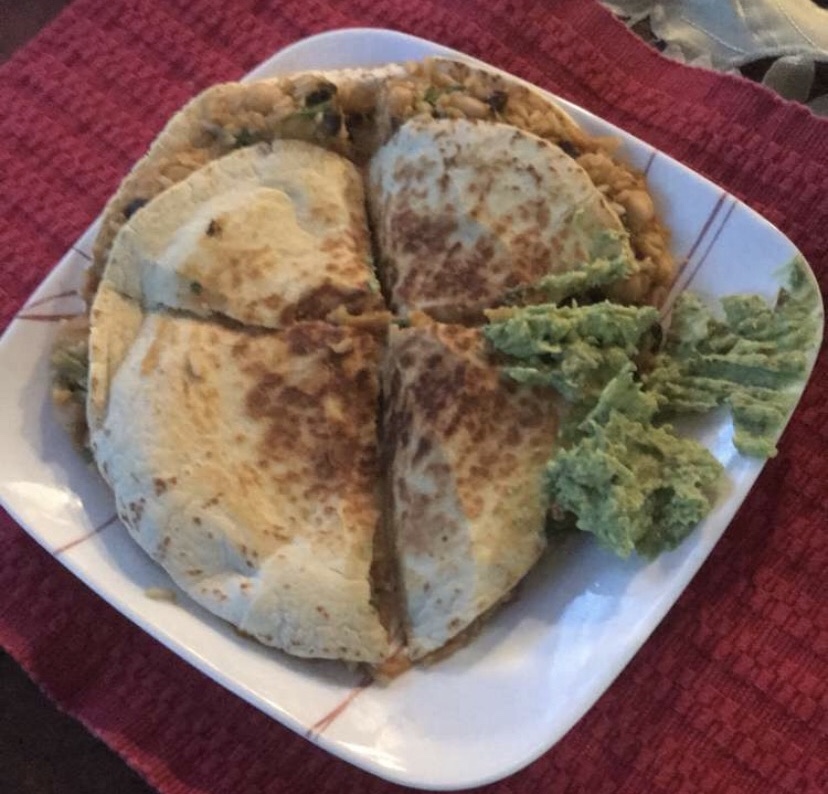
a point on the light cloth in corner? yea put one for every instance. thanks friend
(726, 34)
(734, 32)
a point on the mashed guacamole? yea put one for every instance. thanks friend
(622, 472)
(752, 360)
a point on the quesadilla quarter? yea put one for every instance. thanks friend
(245, 463)
(465, 211)
(266, 236)
(331, 109)
(465, 452)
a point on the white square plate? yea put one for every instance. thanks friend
(492, 707)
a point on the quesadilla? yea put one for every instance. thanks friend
(313, 484)
(245, 463)
(266, 236)
(466, 212)
(465, 451)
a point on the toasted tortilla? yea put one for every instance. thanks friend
(331, 109)
(466, 212)
(245, 463)
(465, 452)
(266, 236)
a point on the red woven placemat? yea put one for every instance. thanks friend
(731, 692)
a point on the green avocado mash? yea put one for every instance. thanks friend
(557, 287)
(749, 360)
(621, 471)
(632, 484)
(576, 349)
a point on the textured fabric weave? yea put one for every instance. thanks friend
(731, 692)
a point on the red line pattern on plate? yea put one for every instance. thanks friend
(49, 318)
(705, 228)
(77, 541)
(650, 162)
(703, 231)
(69, 293)
(709, 248)
(321, 725)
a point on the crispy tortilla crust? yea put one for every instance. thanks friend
(251, 474)
(465, 212)
(466, 452)
(333, 110)
(269, 235)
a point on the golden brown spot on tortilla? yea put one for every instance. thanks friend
(136, 510)
(153, 354)
(241, 347)
(297, 407)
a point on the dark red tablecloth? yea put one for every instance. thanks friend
(731, 692)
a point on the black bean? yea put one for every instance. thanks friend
(497, 101)
(320, 94)
(353, 121)
(570, 148)
(588, 297)
(594, 295)
(331, 121)
(134, 206)
(244, 138)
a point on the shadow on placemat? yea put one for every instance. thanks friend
(22, 19)
(43, 750)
